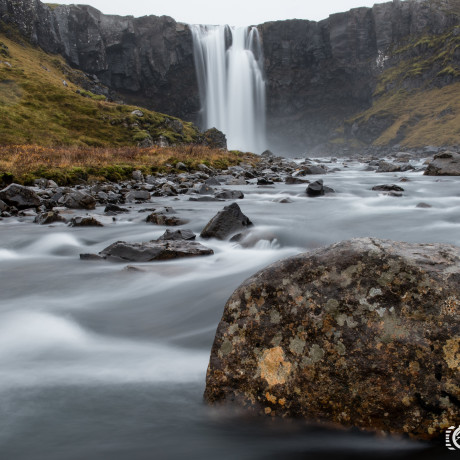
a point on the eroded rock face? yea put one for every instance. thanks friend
(444, 164)
(362, 333)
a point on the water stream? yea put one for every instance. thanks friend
(99, 361)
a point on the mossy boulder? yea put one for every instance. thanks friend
(364, 333)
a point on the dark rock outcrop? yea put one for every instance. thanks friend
(362, 333)
(50, 217)
(148, 252)
(444, 164)
(19, 196)
(226, 222)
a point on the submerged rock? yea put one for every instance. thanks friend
(150, 251)
(362, 333)
(226, 222)
(444, 164)
(19, 196)
(318, 188)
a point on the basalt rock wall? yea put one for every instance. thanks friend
(318, 73)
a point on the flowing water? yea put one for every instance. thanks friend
(229, 66)
(103, 361)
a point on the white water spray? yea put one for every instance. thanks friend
(229, 66)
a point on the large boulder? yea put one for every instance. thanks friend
(150, 251)
(362, 333)
(225, 223)
(19, 196)
(77, 200)
(444, 164)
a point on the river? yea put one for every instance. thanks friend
(104, 361)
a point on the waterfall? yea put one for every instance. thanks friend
(229, 66)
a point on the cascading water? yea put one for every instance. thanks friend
(231, 83)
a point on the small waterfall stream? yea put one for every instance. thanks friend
(229, 66)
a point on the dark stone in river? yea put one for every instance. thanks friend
(316, 188)
(182, 234)
(290, 180)
(84, 222)
(226, 222)
(150, 251)
(388, 188)
(19, 196)
(444, 164)
(47, 218)
(165, 216)
(364, 333)
(230, 194)
(114, 209)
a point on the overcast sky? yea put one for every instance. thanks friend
(233, 12)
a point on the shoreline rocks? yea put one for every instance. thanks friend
(364, 333)
(444, 164)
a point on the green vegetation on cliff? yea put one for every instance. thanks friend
(417, 96)
(43, 101)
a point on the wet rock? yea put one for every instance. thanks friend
(424, 205)
(264, 181)
(84, 222)
(113, 209)
(212, 181)
(50, 217)
(165, 216)
(362, 333)
(3, 206)
(137, 195)
(444, 164)
(388, 188)
(318, 188)
(236, 181)
(182, 234)
(226, 222)
(77, 200)
(204, 198)
(230, 194)
(385, 167)
(290, 180)
(312, 169)
(150, 251)
(19, 196)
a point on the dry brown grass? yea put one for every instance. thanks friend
(68, 165)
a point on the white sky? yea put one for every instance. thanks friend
(233, 12)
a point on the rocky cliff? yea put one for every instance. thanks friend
(148, 60)
(323, 77)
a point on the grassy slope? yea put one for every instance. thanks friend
(428, 114)
(36, 107)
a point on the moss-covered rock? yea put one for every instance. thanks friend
(363, 333)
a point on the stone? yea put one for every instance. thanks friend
(290, 180)
(150, 251)
(230, 195)
(19, 196)
(424, 205)
(364, 333)
(225, 223)
(315, 188)
(77, 200)
(182, 234)
(50, 217)
(444, 164)
(112, 209)
(137, 195)
(84, 222)
(312, 169)
(3, 206)
(137, 175)
(165, 216)
(215, 138)
(388, 188)
(264, 181)
(137, 113)
(181, 166)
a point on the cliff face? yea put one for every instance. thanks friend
(322, 73)
(319, 74)
(148, 60)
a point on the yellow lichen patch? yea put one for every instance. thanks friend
(270, 397)
(267, 410)
(452, 353)
(273, 368)
(282, 401)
